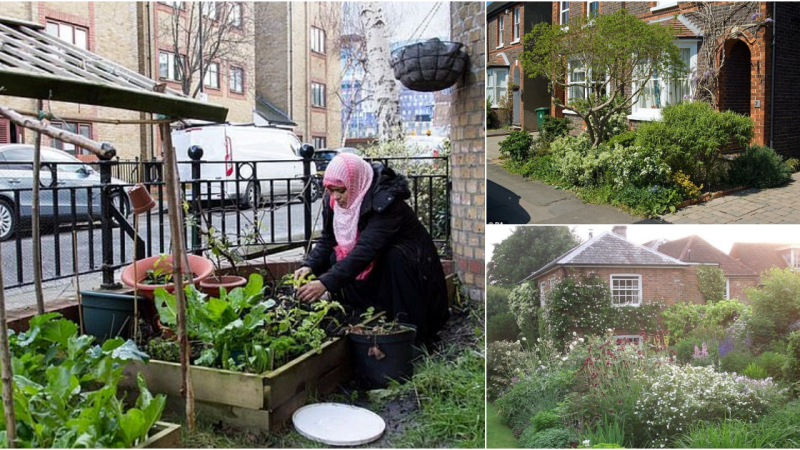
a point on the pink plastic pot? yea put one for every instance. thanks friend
(211, 285)
(201, 268)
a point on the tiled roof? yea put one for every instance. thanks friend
(498, 60)
(678, 27)
(695, 249)
(610, 249)
(759, 257)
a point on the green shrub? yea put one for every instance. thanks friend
(775, 305)
(759, 167)
(517, 145)
(540, 391)
(734, 362)
(625, 139)
(792, 368)
(554, 128)
(692, 135)
(577, 160)
(735, 434)
(496, 300)
(684, 349)
(492, 121)
(755, 372)
(724, 312)
(505, 360)
(681, 318)
(544, 420)
(711, 282)
(502, 327)
(773, 363)
(552, 438)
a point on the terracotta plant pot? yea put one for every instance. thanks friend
(212, 284)
(141, 199)
(201, 268)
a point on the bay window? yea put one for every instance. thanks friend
(497, 84)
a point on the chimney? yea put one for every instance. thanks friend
(620, 230)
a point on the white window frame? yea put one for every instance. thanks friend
(172, 66)
(627, 276)
(501, 31)
(236, 15)
(585, 85)
(589, 8)
(664, 5)
(492, 87)
(236, 83)
(69, 33)
(641, 113)
(211, 76)
(727, 288)
(515, 19)
(561, 11)
(318, 95)
(637, 340)
(317, 40)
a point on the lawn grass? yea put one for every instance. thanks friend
(498, 435)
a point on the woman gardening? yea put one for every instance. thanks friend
(373, 250)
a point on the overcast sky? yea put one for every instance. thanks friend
(412, 13)
(720, 236)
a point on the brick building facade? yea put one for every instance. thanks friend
(299, 66)
(506, 25)
(747, 78)
(468, 196)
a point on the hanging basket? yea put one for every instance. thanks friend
(429, 66)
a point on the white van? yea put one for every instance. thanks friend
(226, 145)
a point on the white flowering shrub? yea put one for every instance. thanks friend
(636, 166)
(679, 396)
(523, 302)
(506, 362)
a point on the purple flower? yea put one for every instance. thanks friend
(755, 16)
(686, 97)
(768, 20)
(706, 74)
(725, 346)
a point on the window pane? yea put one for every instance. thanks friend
(65, 33)
(80, 38)
(163, 65)
(52, 28)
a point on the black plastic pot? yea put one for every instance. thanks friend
(395, 364)
(107, 315)
(429, 66)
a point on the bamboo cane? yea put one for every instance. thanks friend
(5, 368)
(178, 261)
(35, 219)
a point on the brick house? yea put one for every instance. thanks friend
(761, 257)
(758, 80)
(506, 25)
(636, 274)
(695, 250)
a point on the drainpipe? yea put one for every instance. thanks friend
(289, 44)
(772, 83)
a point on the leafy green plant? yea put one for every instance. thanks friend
(551, 438)
(242, 331)
(161, 273)
(625, 139)
(711, 282)
(609, 430)
(773, 363)
(735, 361)
(736, 434)
(517, 145)
(552, 129)
(759, 167)
(755, 372)
(65, 389)
(544, 420)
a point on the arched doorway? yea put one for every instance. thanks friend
(736, 78)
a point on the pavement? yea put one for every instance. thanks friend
(512, 199)
(777, 205)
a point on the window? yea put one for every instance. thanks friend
(634, 339)
(236, 80)
(516, 24)
(209, 9)
(176, 5)
(727, 288)
(576, 83)
(317, 40)
(501, 30)
(170, 67)
(659, 92)
(320, 142)
(662, 5)
(84, 129)
(564, 8)
(211, 78)
(497, 84)
(626, 290)
(75, 35)
(236, 15)
(318, 95)
(594, 9)
(795, 259)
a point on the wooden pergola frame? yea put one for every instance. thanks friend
(35, 65)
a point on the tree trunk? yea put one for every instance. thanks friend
(5, 368)
(35, 219)
(386, 92)
(178, 261)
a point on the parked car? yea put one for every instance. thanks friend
(324, 156)
(273, 152)
(59, 170)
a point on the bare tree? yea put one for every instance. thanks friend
(387, 95)
(224, 33)
(721, 23)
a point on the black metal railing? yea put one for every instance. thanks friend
(84, 207)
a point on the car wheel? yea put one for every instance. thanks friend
(252, 196)
(7, 220)
(316, 189)
(120, 201)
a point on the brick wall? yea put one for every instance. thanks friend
(787, 79)
(468, 154)
(736, 78)
(738, 286)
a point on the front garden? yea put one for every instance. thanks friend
(719, 374)
(655, 168)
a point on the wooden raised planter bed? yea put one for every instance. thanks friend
(260, 402)
(164, 435)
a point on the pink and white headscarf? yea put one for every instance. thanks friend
(355, 175)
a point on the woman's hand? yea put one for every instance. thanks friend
(311, 291)
(301, 272)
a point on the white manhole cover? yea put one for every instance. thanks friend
(338, 424)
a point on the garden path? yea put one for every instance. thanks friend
(777, 205)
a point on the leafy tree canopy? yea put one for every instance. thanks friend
(527, 250)
(612, 51)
